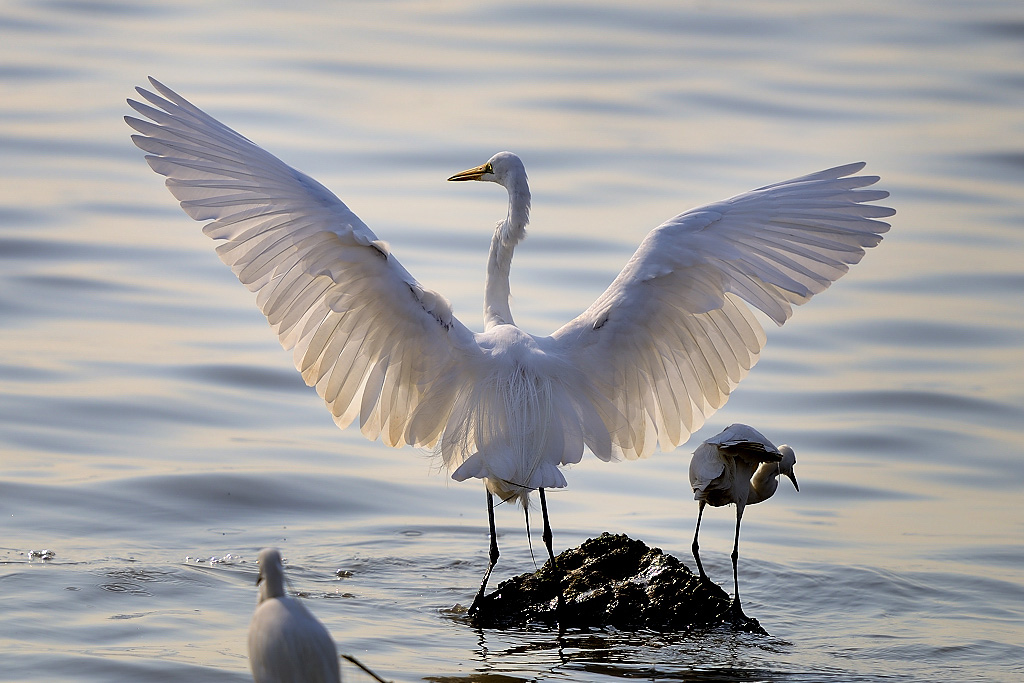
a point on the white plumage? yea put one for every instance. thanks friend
(656, 354)
(740, 467)
(287, 644)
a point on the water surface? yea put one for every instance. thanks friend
(154, 436)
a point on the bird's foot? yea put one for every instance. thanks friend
(739, 621)
(708, 584)
(475, 607)
(554, 575)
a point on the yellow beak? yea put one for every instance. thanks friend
(471, 174)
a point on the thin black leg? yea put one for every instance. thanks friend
(560, 605)
(735, 558)
(547, 527)
(493, 557)
(696, 547)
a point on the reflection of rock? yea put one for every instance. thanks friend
(615, 581)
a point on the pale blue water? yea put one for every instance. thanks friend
(149, 418)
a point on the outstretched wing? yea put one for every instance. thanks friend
(369, 337)
(671, 337)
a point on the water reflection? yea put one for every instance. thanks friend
(708, 655)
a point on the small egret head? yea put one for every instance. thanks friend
(504, 168)
(271, 575)
(787, 463)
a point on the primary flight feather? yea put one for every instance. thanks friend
(656, 354)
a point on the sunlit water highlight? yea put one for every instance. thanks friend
(150, 423)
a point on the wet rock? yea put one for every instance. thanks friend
(616, 581)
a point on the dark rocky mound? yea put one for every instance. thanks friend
(612, 580)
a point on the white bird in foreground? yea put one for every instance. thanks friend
(737, 466)
(287, 644)
(656, 354)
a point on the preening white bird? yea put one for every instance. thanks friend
(658, 352)
(738, 466)
(287, 644)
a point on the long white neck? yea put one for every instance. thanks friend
(271, 581)
(764, 483)
(507, 235)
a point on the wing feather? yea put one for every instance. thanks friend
(706, 465)
(364, 332)
(671, 337)
(660, 349)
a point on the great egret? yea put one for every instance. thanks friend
(737, 466)
(657, 353)
(286, 642)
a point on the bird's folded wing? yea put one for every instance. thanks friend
(706, 465)
(362, 330)
(753, 451)
(740, 440)
(671, 337)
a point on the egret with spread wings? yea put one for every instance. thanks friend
(657, 353)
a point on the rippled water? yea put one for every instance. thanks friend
(150, 423)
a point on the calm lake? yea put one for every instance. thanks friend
(154, 435)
